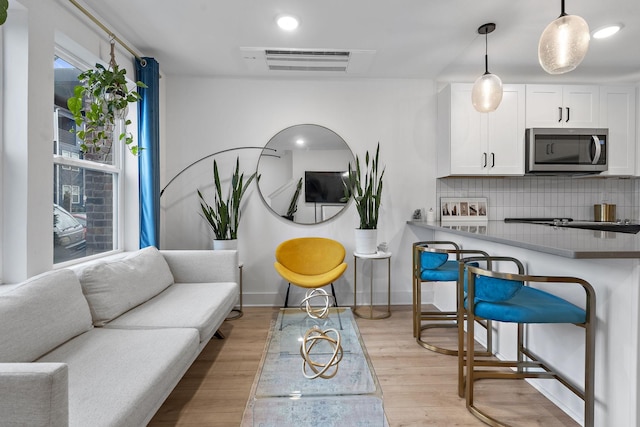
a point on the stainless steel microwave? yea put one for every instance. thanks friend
(566, 150)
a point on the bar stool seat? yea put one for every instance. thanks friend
(507, 297)
(432, 263)
(448, 272)
(530, 305)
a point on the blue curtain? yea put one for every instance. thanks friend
(149, 158)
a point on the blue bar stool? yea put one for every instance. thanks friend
(435, 261)
(506, 297)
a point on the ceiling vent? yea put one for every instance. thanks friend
(307, 60)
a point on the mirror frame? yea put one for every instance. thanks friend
(280, 190)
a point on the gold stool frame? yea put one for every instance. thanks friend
(450, 317)
(526, 358)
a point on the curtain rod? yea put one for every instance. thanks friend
(108, 31)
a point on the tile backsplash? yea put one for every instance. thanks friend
(545, 196)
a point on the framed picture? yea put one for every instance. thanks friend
(463, 209)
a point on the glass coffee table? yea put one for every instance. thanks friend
(281, 394)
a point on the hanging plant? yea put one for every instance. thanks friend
(4, 5)
(101, 102)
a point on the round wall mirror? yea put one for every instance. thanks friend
(302, 170)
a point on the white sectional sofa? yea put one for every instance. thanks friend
(105, 343)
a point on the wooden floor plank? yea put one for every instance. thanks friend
(419, 386)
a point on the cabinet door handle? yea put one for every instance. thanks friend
(493, 159)
(552, 147)
(567, 115)
(559, 114)
(548, 148)
(484, 160)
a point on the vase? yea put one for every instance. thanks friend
(366, 241)
(231, 244)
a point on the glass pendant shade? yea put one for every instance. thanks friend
(563, 44)
(486, 94)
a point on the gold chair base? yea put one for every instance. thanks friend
(434, 347)
(446, 316)
(508, 374)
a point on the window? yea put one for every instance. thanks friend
(85, 195)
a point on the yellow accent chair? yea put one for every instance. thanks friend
(310, 262)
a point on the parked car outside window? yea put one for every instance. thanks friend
(68, 236)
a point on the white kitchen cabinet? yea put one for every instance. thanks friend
(618, 114)
(473, 143)
(553, 106)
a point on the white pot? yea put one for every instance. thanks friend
(225, 244)
(366, 241)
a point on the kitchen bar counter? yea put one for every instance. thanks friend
(565, 242)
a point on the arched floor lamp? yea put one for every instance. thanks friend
(209, 156)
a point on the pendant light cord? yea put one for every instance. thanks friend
(562, 13)
(486, 54)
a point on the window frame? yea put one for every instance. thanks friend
(116, 169)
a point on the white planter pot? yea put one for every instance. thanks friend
(366, 241)
(225, 244)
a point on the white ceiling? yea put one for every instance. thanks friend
(435, 39)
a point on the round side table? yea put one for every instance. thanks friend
(372, 312)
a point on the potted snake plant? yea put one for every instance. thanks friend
(365, 186)
(293, 205)
(223, 217)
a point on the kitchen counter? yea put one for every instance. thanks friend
(565, 242)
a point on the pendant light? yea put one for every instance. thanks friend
(487, 90)
(564, 43)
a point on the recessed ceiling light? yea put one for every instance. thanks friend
(288, 22)
(300, 141)
(608, 31)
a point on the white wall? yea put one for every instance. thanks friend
(207, 115)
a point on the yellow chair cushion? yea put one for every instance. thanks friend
(307, 281)
(310, 262)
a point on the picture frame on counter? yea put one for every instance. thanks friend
(457, 209)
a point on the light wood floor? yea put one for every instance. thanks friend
(419, 386)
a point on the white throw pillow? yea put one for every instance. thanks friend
(115, 287)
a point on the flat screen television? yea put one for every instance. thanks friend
(324, 187)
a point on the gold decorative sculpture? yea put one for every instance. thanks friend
(317, 312)
(312, 337)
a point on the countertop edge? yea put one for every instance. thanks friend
(567, 253)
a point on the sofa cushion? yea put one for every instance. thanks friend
(203, 306)
(121, 377)
(40, 314)
(115, 287)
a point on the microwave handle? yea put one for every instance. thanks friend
(596, 142)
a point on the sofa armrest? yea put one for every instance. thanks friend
(202, 266)
(34, 394)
